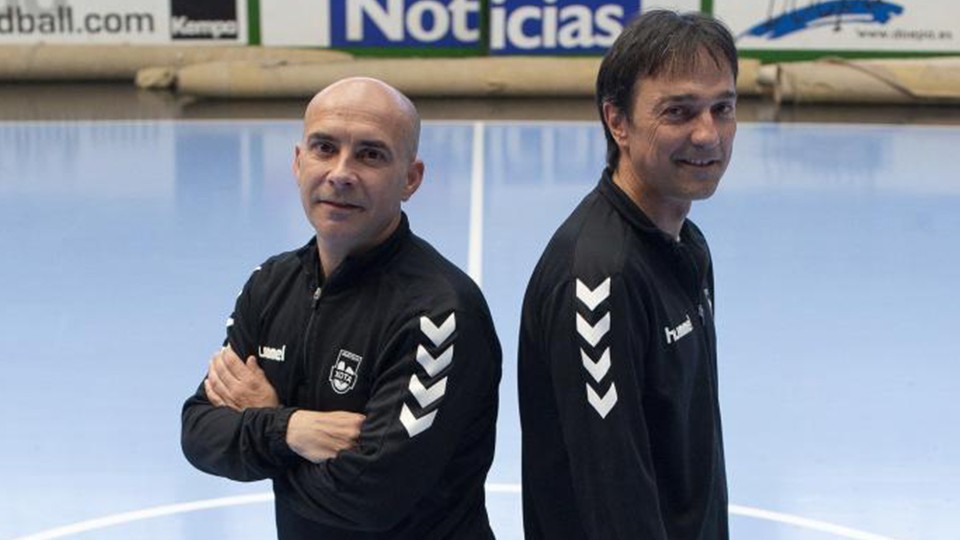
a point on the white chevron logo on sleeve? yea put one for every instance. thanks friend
(593, 333)
(426, 396)
(431, 364)
(593, 298)
(438, 334)
(414, 425)
(598, 370)
(602, 405)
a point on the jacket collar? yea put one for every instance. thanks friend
(632, 213)
(354, 267)
(691, 239)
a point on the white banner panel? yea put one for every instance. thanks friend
(139, 22)
(295, 23)
(676, 5)
(843, 25)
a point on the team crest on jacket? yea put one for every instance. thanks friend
(343, 374)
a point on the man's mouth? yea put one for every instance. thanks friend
(340, 205)
(703, 162)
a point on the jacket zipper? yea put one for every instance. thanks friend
(697, 303)
(304, 367)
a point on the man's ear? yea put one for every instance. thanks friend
(296, 162)
(414, 178)
(616, 122)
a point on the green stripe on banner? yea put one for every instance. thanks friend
(706, 6)
(799, 55)
(407, 52)
(253, 22)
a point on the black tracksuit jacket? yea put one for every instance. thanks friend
(398, 334)
(618, 382)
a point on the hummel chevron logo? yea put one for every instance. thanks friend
(427, 396)
(438, 334)
(593, 333)
(604, 404)
(598, 370)
(434, 365)
(593, 298)
(414, 425)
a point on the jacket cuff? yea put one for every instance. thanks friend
(278, 437)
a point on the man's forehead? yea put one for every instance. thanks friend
(707, 82)
(355, 106)
(360, 95)
(353, 121)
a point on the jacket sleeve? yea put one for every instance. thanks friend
(435, 395)
(595, 340)
(248, 445)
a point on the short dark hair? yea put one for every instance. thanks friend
(655, 43)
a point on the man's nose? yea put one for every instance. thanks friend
(705, 131)
(343, 172)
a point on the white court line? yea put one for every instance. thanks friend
(475, 246)
(182, 508)
(812, 524)
(147, 513)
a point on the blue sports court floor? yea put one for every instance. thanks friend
(124, 243)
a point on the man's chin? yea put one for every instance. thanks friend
(703, 189)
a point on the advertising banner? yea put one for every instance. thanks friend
(137, 22)
(425, 27)
(872, 26)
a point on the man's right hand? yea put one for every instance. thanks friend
(317, 436)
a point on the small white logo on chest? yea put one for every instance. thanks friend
(343, 374)
(271, 353)
(674, 334)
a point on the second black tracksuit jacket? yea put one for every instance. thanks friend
(618, 382)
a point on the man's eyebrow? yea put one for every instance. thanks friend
(684, 98)
(373, 143)
(318, 136)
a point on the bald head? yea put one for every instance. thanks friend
(369, 99)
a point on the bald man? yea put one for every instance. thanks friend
(359, 373)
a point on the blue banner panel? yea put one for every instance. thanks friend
(557, 26)
(406, 23)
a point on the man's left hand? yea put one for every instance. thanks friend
(233, 383)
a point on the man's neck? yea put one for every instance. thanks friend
(330, 259)
(667, 214)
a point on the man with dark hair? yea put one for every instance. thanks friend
(617, 367)
(360, 372)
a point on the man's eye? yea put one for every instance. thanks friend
(725, 109)
(323, 147)
(371, 155)
(675, 112)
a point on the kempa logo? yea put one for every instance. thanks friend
(683, 329)
(184, 28)
(271, 353)
(210, 19)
